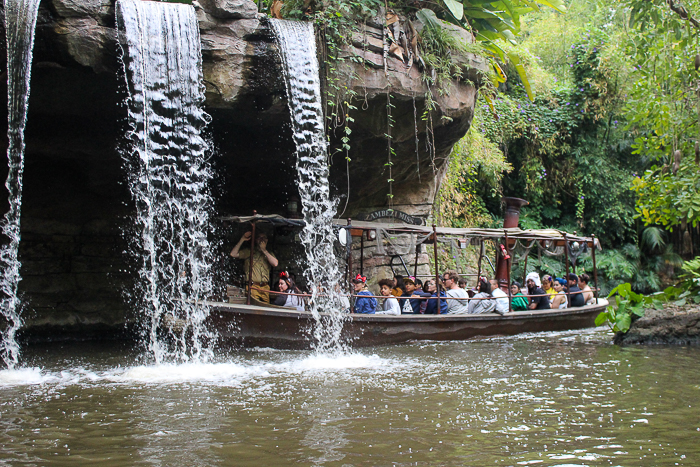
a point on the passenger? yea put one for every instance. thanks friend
(519, 302)
(363, 305)
(548, 287)
(559, 301)
(391, 304)
(409, 287)
(344, 299)
(501, 298)
(417, 303)
(286, 284)
(538, 299)
(398, 287)
(588, 296)
(459, 305)
(483, 291)
(263, 262)
(575, 292)
(462, 283)
(431, 307)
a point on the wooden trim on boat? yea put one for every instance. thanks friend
(255, 326)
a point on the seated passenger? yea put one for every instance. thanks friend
(417, 303)
(588, 296)
(286, 285)
(344, 299)
(574, 291)
(538, 299)
(391, 304)
(548, 286)
(460, 300)
(397, 286)
(482, 302)
(559, 301)
(500, 297)
(431, 305)
(365, 303)
(519, 302)
(409, 287)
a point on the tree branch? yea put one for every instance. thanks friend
(683, 13)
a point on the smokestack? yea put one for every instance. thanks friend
(510, 221)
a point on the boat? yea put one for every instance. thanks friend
(245, 322)
(259, 325)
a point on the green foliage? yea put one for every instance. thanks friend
(663, 107)
(628, 304)
(475, 164)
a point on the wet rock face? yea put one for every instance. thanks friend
(76, 212)
(672, 325)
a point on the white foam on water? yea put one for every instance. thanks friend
(228, 372)
(24, 377)
(336, 362)
(221, 373)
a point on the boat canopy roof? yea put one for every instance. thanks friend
(274, 219)
(515, 233)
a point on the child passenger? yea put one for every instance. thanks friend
(365, 303)
(391, 304)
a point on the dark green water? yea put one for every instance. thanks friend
(555, 399)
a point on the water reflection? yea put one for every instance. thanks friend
(557, 399)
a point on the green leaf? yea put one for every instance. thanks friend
(623, 322)
(456, 8)
(428, 18)
(517, 63)
(601, 318)
(556, 4)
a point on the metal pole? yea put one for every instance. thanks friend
(437, 281)
(348, 275)
(527, 255)
(566, 258)
(362, 253)
(250, 258)
(595, 271)
(481, 255)
(508, 263)
(415, 265)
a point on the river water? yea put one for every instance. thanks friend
(569, 398)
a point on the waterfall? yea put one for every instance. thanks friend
(169, 174)
(297, 46)
(20, 22)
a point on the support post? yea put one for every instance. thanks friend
(415, 264)
(362, 253)
(481, 256)
(437, 281)
(566, 258)
(508, 263)
(250, 259)
(348, 275)
(595, 271)
(527, 255)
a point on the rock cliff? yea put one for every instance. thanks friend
(76, 209)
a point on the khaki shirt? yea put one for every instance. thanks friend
(261, 268)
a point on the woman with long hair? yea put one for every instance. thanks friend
(286, 285)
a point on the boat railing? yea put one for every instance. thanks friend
(411, 297)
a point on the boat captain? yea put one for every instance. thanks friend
(263, 262)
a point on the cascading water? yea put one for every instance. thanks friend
(297, 45)
(169, 172)
(20, 23)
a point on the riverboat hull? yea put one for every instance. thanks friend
(241, 325)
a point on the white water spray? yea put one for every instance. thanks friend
(169, 173)
(297, 45)
(20, 23)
